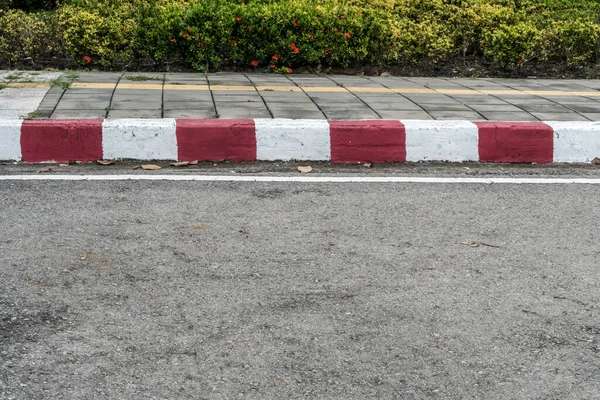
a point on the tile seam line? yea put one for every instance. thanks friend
(529, 92)
(310, 98)
(404, 97)
(260, 95)
(355, 96)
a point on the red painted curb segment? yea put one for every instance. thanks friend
(61, 140)
(512, 142)
(373, 141)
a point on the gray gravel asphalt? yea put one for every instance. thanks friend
(165, 290)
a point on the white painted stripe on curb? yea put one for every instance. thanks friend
(141, 139)
(10, 139)
(576, 141)
(289, 139)
(299, 179)
(454, 141)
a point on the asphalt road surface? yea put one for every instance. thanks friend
(227, 290)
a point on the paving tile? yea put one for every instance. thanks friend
(236, 113)
(557, 116)
(293, 106)
(430, 99)
(592, 116)
(71, 114)
(297, 114)
(543, 108)
(134, 114)
(508, 116)
(188, 105)
(136, 105)
(192, 95)
(495, 107)
(238, 99)
(445, 107)
(584, 107)
(394, 106)
(292, 97)
(461, 115)
(405, 115)
(64, 105)
(350, 114)
(190, 113)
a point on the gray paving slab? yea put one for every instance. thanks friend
(294, 113)
(544, 108)
(431, 99)
(76, 114)
(98, 77)
(445, 107)
(84, 96)
(136, 105)
(135, 113)
(138, 92)
(584, 107)
(237, 113)
(478, 99)
(558, 116)
(350, 114)
(495, 107)
(85, 91)
(185, 95)
(394, 106)
(508, 116)
(403, 114)
(190, 113)
(288, 97)
(592, 116)
(461, 115)
(188, 105)
(82, 105)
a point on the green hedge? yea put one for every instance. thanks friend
(211, 34)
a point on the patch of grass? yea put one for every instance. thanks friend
(65, 80)
(14, 76)
(142, 77)
(34, 73)
(32, 115)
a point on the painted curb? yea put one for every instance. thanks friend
(310, 140)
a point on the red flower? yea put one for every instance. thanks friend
(310, 37)
(173, 40)
(295, 22)
(238, 19)
(185, 35)
(275, 57)
(272, 66)
(87, 59)
(347, 35)
(477, 21)
(342, 17)
(189, 28)
(289, 70)
(233, 42)
(292, 46)
(254, 63)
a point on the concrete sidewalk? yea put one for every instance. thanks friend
(197, 95)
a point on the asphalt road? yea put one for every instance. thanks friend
(164, 290)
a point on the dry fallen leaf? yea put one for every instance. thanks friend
(78, 161)
(368, 164)
(596, 161)
(180, 164)
(472, 244)
(150, 166)
(194, 162)
(63, 165)
(198, 227)
(304, 169)
(47, 169)
(105, 162)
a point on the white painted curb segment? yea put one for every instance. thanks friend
(10, 139)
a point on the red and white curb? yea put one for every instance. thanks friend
(312, 140)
